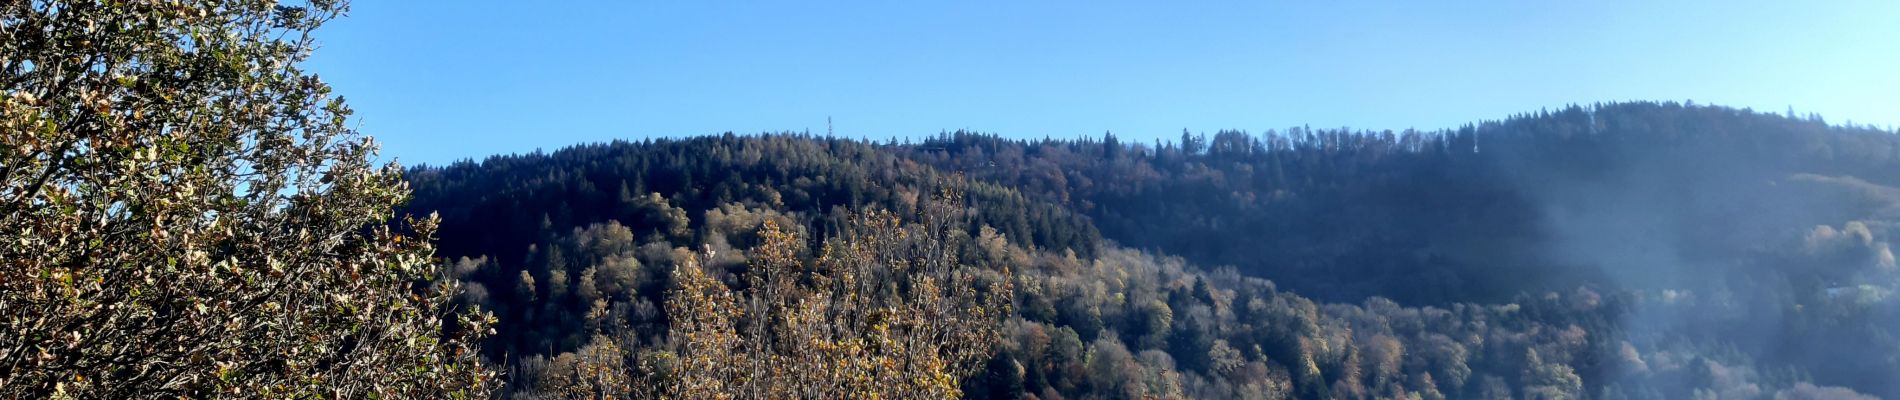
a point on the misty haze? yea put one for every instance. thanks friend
(595, 200)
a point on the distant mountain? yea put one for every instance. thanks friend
(1628, 250)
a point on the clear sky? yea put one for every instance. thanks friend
(441, 80)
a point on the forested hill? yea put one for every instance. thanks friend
(1631, 250)
(1479, 213)
(664, 187)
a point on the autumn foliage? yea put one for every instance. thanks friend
(887, 310)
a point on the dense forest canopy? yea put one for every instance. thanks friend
(1626, 250)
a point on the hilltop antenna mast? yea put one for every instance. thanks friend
(828, 126)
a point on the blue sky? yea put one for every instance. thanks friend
(438, 80)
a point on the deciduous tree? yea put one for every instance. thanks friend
(185, 214)
(886, 310)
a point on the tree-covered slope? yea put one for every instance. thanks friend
(1474, 214)
(664, 186)
(1637, 250)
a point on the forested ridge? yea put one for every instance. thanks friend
(1627, 250)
